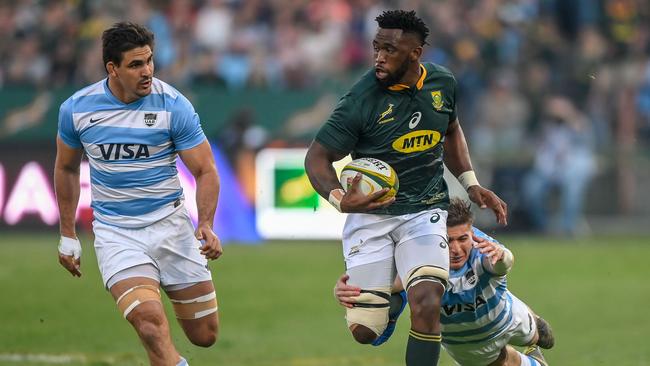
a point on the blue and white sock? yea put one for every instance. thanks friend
(182, 362)
(528, 361)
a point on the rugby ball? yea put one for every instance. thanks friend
(375, 175)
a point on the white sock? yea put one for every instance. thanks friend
(182, 362)
(527, 360)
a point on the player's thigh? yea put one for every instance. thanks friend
(138, 298)
(366, 238)
(177, 252)
(422, 252)
(523, 330)
(195, 306)
(477, 354)
(119, 249)
(507, 357)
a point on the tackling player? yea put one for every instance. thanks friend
(402, 112)
(480, 318)
(132, 127)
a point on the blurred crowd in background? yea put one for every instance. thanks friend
(553, 93)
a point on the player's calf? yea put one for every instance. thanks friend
(425, 286)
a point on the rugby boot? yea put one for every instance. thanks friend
(546, 339)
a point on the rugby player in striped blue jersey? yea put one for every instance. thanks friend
(481, 320)
(132, 127)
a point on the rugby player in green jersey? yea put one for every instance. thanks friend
(404, 113)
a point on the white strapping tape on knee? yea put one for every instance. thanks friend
(197, 307)
(370, 310)
(145, 295)
(427, 273)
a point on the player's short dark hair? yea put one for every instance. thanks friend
(459, 212)
(407, 21)
(122, 37)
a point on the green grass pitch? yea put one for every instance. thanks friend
(277, 309)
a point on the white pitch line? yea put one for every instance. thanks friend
(42, 358)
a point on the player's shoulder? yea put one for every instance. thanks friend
(437, 70)
(480, 234)
(84, 96)
(159, 87)
(439, 74)
(169, 96)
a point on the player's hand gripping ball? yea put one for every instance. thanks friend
(375, 175)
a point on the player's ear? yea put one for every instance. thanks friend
(110, 69)
(416, 53)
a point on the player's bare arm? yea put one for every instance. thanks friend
(200, 161)
(321, 173)
(459, 163)
(66, 187)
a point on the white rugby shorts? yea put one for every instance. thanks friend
(168, 244)
(412, 240)
(521, 331)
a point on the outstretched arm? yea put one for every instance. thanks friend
(498, 259)
(458, 161)
(66, 187)
(200, 162)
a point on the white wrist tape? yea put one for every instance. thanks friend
(468, 179)
(70, 246)
(336, 195)
(503, 265)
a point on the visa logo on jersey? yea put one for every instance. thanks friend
(123, 151)
(419, 140)
(458, 308)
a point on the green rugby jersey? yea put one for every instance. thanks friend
(403, 126)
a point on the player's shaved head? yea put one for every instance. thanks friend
(407, 21)
(122, 37)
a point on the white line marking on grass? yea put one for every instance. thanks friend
(43, 358)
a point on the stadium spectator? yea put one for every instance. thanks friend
(564, 159)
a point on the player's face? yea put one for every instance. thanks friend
(460, 244)
(393, 54)
(133, 76)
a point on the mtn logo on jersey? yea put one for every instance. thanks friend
(415, 141)
(123, 151)
(150, 119)
(385, 114)
(437, 100)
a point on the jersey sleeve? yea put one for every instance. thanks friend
(186, 131)
(479, 234)
(66, 130)
(342, 129)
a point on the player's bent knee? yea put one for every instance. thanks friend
(195, 308)
(362, 334)
(202, 333)
(369, 316)
(135, 296)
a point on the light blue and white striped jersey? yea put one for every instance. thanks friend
(477, 306)
(132, 149)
